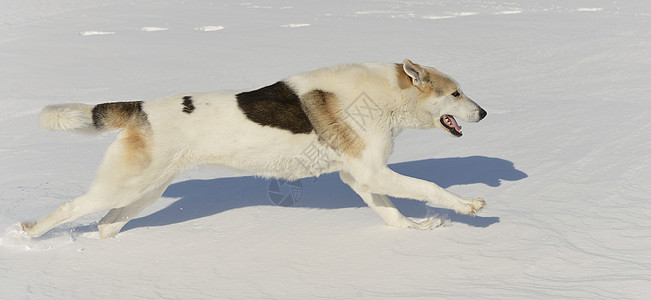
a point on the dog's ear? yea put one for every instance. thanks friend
(414, 71)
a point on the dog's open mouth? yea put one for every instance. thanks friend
(451, 125)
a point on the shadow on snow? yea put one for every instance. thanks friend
(202, 198)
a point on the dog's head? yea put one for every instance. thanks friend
(439, 98)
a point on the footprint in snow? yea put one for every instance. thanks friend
(89, 33)
(460, 14)
(508, 12)
(15, 238)
(466, 14)
(295, 25)
(209, 28)
(589, 9)
(153, 29)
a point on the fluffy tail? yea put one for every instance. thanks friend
(92, 119)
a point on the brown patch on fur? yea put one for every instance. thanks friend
(117, 115)
(433, 83)
(322, 108)
(440, 84)
(136, 134)
(136, 141)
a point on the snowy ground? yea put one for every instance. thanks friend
(563, 158)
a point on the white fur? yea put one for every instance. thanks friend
(217, 132)
(64, 117)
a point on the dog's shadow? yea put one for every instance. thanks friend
(202, 198)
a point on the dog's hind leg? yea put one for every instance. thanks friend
(99, 198)
(385, 208)
(116, 218)
(126, 175)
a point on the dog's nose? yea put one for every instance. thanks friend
(482, 113)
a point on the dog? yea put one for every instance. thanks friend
(339, 119)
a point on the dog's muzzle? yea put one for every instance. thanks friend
(451, 125)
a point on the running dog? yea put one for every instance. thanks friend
(342, 118)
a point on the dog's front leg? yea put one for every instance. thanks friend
(385, 208)
(385, 181)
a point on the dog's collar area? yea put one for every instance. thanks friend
(451, 125)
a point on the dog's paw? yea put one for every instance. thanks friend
(27, 225)
(429, 223)
(471, 206)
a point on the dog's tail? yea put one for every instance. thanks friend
(92, 119)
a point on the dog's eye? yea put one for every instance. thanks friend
(456, 94)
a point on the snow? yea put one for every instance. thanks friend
(209, 28)
(563, 157)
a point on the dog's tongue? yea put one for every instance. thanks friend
(452, 123)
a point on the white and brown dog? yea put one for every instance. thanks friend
(343, 118)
